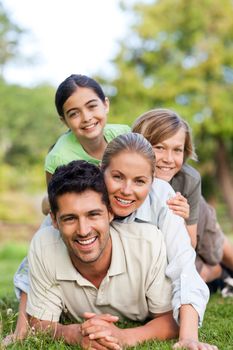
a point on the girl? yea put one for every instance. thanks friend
(83, 108)
(170, 137)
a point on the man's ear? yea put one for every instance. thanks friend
(54, 220)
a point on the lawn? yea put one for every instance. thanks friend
(217, 327)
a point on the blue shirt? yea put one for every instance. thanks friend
(187, 285)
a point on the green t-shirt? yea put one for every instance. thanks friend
(68, 148)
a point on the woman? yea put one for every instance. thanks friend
(135, 196)
(171, 139)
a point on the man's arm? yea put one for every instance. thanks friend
(72, 334)
(161, 327)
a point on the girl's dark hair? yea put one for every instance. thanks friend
(70, 84)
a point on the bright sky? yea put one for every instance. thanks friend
(66, 36)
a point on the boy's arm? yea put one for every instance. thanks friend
(192, 231)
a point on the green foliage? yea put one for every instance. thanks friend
(179, 55)
(30, 124)
(11, 255)
(10, 35)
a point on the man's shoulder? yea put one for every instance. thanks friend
(142, 231)
(45, 237)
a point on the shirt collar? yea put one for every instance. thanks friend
(65, 270)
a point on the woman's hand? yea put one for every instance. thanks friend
(190, 344)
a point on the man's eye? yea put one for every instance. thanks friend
(68, 219)
(93, 106)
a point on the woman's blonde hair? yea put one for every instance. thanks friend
(129, 142)
(160, 124)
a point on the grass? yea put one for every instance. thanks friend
(217, 327)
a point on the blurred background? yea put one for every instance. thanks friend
(146, 54)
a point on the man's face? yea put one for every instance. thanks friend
(83, 221)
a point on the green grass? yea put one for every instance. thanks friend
(11, 254)
(217, 327)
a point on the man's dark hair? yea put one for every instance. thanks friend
(76, 177)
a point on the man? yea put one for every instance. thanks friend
(98, 272)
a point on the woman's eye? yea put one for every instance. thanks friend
(116, 177)
(140, 182)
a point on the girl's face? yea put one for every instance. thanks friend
(128, 179)
(170, 156)
(85, 114)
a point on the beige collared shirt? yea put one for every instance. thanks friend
(134, 287)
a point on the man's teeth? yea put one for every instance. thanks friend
(87, 241)
(124, 201)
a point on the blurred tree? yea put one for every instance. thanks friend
(29, 124)
(179, 54)
(10, 34)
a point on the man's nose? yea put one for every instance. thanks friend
(83, 227)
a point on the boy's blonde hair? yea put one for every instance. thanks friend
(160, 124)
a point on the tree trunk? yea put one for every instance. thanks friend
(224, 175)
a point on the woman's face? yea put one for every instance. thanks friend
(85, 114)
(170, 156)
(128, 179)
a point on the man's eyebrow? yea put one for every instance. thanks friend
(67, 215)
(95, 211)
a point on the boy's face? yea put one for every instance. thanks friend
(85, 114)
(83, 221)
(170, 156)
